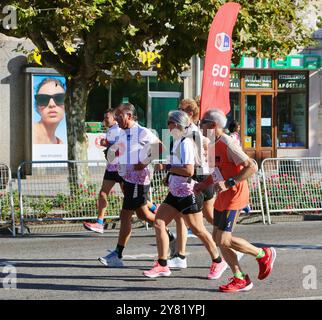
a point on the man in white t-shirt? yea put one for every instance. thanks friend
(137, 147)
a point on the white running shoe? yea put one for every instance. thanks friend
(190, 234)
(177, 262)
(172, 247)
(239, 255)
(111, 260)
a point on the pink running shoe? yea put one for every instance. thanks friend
(157, 271)
(217, 269)
(96, 227)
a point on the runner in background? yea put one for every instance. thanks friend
(111, 175)
(234, 131)
(232, 168)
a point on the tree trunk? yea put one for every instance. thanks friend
(75, 106)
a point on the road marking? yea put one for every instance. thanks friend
(6, 263)
(144, 255)
(301, 298)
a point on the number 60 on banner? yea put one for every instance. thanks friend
(221, 71)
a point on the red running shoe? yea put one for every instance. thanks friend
(237, 285)
(266, 263)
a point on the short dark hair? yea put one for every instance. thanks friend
(128, 107)
(233, 126)
(110, 110)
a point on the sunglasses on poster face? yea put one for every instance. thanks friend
(43, 99)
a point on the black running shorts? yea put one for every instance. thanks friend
(185, 205)
(113, 176)
(208, 193)
(135, 195)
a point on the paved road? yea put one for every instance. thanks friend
(65, 266)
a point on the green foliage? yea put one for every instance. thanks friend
(82, 38)
(106, 34)
(5, 208)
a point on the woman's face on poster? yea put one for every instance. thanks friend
(50, 103)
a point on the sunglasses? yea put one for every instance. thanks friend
(171, 122)
(43, 99)
(205, 121)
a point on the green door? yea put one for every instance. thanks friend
(160, 103)
(160, 109)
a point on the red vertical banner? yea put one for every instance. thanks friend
(215, 82)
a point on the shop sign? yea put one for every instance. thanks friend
(258, 81)
(234, 80)
(292, 81)
(296, 62)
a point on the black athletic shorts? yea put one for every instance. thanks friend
(208, 193)
(113, 176)
(135, 195)
(226, 220)
(185, 205)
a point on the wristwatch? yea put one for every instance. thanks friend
(230, 182)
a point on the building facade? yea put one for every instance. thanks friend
(278, 103)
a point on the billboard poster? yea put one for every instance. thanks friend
(49, 131)
(95, 150)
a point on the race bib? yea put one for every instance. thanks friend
(216, 175)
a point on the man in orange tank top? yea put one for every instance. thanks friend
(231, 168)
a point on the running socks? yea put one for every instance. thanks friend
(217, 260)
(100, 221)
(239, 275)
(261, 254)
(178, 255)
(119, 250)
(162, 262)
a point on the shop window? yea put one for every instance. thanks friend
(292, 120)
(234, 113)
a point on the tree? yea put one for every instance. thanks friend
(82, 38)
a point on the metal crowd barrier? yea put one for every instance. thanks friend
(7, 214)
(256, 213)
(293, 188)
(63, 191)
(53, 191)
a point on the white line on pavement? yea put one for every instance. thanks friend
(301, 298)
(144, 255)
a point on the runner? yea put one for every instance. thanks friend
(182, 200)
(233, 167)
(178, 258)
(137, 146)
(111, 175)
